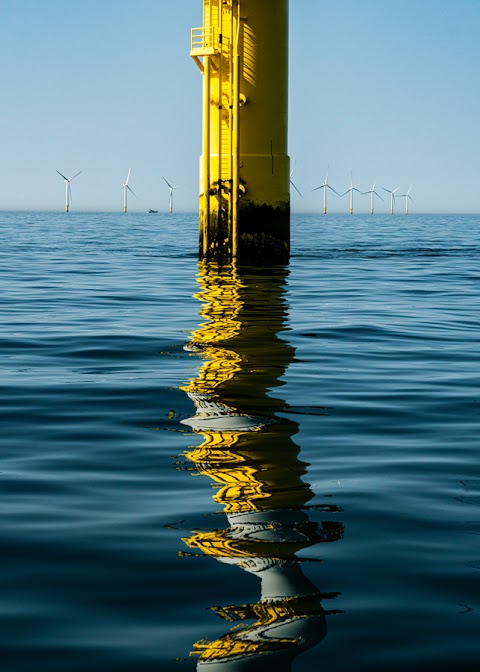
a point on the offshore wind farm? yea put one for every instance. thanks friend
(325, 186)
(239, 390)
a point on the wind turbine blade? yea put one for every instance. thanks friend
(65, 178)
(378, 195)
(411, 199)
(409, 189)
(332, 189)
(295, 187)
(131, 190)
(167, 182)
(76, 175)
(395, 190)
(387, 190)
(128, 177)
(320, 187)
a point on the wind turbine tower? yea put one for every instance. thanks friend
(325, 186)
(171, 188)
(126, 188)
(242, 53)
(372, 193)
(351, 189)
(407, 198)
(68, 191)
(392, 197)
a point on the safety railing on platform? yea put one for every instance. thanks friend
(203, 42)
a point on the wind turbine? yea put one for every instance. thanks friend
(68, 191)
(293, 184)
(392, 197)
(407, 198)
(325, 186)
(351, 189)
(126, 188)
(171, 192)
(372, 192)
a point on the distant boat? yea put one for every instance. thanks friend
(153, 212)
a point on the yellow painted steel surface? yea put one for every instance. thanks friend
(242, 51)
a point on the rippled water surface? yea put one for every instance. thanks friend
(239, 469)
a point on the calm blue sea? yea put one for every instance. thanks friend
(239, 469)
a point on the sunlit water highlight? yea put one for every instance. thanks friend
(233, 469)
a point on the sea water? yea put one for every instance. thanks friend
(238, 468)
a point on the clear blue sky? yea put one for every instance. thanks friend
(389, 90)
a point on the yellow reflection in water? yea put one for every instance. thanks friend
(249, 455)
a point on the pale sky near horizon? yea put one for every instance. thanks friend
(389, 90)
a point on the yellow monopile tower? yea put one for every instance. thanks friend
(242, 52)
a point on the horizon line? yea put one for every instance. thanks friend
(399, 213)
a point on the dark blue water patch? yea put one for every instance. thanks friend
(168, 252)
(385, 253)
(93, 346)
(79, 409)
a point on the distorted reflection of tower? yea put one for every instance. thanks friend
(248, 453)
